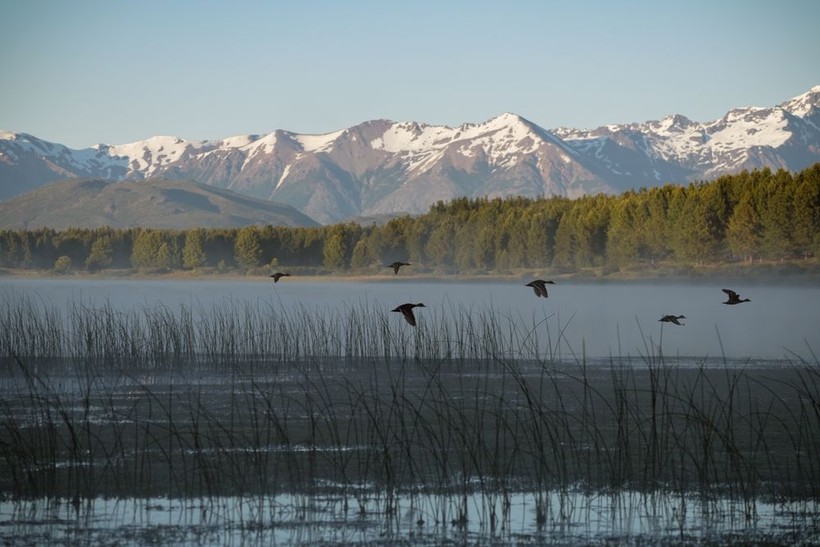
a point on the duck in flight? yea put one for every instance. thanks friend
(734, 298)
(407, 311)
(396, 265)
(539, 286)
(278, 275)
(672, 319)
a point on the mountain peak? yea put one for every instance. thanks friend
(673, 123)
(507, 118)
(502, 121)
(804, 104)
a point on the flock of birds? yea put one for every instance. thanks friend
(539, 286)
(732, 298)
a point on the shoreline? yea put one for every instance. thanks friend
(798, 273)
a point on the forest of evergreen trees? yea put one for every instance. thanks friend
(758, 215)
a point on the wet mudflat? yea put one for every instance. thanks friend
(418, 451)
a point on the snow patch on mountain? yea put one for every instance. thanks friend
(749, 127)
(805, 104)
(411, 137)
(318, 143)
(502, 139)
(282, 178)
(717, 145)
(149, 155)
(239, 141)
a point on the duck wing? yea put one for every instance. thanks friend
(538, 287)
(407, 311)
(408, 314)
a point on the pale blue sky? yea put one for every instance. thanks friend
(80, 72)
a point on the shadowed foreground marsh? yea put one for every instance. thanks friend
(468, 422)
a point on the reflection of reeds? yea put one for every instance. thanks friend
(247, 399)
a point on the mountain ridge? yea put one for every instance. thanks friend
(382, 167)
(149, 203)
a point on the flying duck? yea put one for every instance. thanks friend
(672, 319)
(539, 286)
(734, 298)
(407, 311)
(278, 275)
(396, 265)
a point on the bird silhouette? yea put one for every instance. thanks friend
(672, 319)
(734, 298)
(407, 311)
(539, 286)
(396, 265)
(278, 275)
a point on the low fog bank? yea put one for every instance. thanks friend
(579, 318)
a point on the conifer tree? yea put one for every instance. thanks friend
(101, 254)
(248, 247)
(193, 253)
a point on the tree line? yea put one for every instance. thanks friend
(757, 215)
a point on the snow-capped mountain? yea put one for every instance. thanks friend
(384, 167)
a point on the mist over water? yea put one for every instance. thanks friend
(595, 319)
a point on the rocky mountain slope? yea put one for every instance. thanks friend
(382, 167)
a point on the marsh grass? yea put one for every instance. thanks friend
(470, 408)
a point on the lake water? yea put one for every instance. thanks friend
(573, 519)
(598, 319)
(124, 443)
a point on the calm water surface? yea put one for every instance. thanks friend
(598, 319)
(572, 519)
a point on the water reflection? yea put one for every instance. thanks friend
(418, 518)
